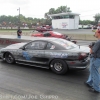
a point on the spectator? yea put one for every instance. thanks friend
(94, 77)
(19, 32)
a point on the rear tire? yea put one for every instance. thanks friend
(9, 58)
(59, 66)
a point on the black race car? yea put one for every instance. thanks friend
(59, 55)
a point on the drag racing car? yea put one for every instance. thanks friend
(53, 34)
(59, 55)
(43, 28)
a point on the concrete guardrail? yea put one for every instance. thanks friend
(7, 38)
(82, 37)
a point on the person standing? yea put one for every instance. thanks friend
(19, 32)
(94, 77)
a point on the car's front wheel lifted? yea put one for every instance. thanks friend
(9, 58)
(59, 66)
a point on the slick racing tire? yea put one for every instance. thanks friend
(9, 58)
(59, 66)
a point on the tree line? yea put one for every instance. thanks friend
(95, 22)
(22, 21)
(29, 21)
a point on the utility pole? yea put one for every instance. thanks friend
(66, 8)
(19, 14)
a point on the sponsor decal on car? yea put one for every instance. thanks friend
(59, 55)
(26, 55)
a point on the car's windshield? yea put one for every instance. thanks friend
(65, 43)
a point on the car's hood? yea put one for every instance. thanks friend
(15, 46)
(85, 49)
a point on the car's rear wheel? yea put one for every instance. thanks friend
(59, 66)
(9, 58)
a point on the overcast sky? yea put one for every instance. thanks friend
(37, 8)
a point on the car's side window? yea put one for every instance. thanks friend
(28, 46)
(47, 34)
(36, 45)
(50, 46)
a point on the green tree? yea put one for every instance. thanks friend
(61, 9)
(97, 18)
(86, 22)
(46, 15)
(52, 11)
(68, 9)
(14, 20)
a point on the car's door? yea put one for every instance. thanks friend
(33, 53)
(51, 51)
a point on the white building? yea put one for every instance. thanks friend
(65, 20)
